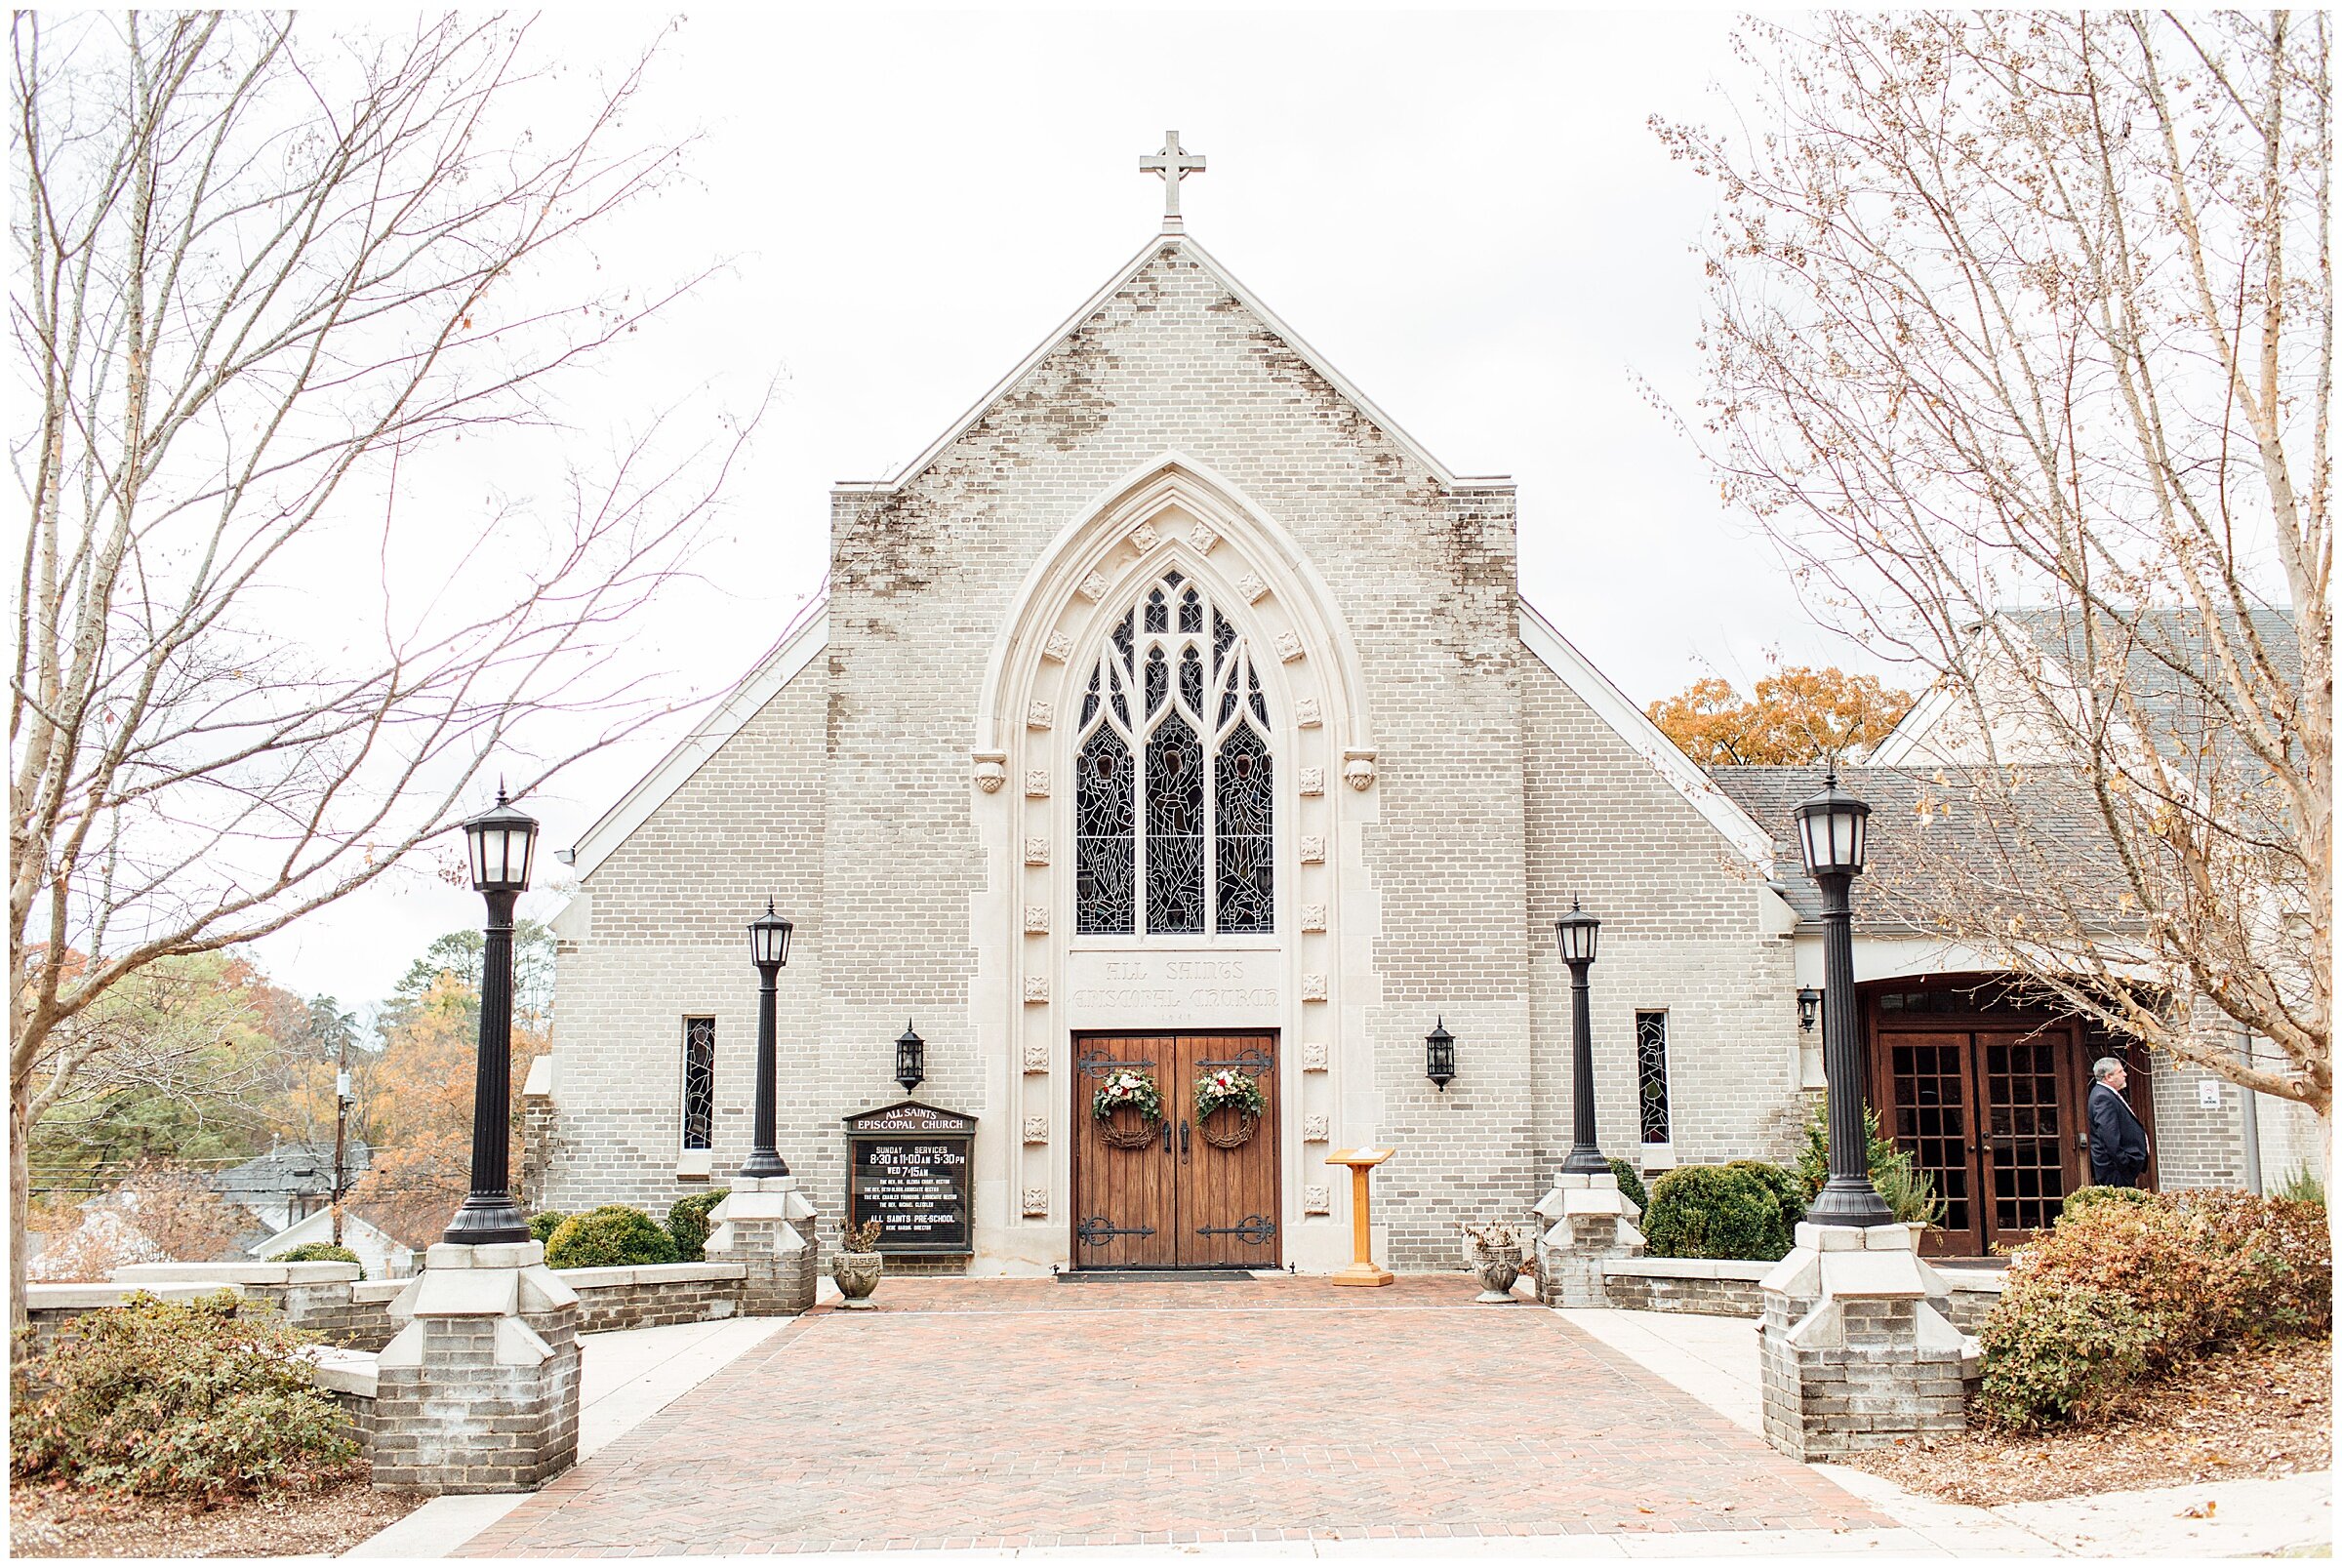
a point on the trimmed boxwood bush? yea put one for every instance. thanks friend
(1719, 1211)
(320, 1252)
(2083, 1197)
(687, 1222)
(1630, 1181)
(2176, 1274)
(202, 1397)
(543, 1223)
(611, 1237)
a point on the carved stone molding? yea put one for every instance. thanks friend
(1037, 1203)
(1288, 646)
(1357, 767)
(1315, 1128)
(1315, 1056)
(1313, 780)
(1037, 850)
(1317, 1200)
(1312, 987)
(1057, 649)
(1145, 538)
(1036, 919)
(1252, 587)
(1306, 714)
(1203, 535)
(1312, 845)
(1036, 987)
(991, 771)
(1313, 917)
(1095, 586)
(1036, 783)
(1038, 715)
(1036, 1056)
(1036, 1129)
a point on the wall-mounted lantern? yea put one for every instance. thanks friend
(1439, 1056)
(910, 1059)
(1809, 1009)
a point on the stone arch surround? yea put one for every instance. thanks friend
(1036, 984)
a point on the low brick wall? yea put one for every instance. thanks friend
(50, 1308)
(347, 1378)
(325, 1299)
(654, 1293)
(1720, 1287)
(1726, 1287)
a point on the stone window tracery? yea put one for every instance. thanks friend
(1174, 777)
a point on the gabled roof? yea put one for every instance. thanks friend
(799, 643)
(290, 1170)
(1635, 727)
(1158, 246)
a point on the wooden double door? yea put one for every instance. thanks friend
(1189, 1196)
(1995, 1115)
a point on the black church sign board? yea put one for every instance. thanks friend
(908, 1168)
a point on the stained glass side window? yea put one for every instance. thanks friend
(698, 1082)
(1173, 828)
(1650, 1073)
(1105, 866)
(1242, 843)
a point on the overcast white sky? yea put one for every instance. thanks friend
(1466, 213)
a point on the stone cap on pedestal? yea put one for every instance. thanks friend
(1879, 1263)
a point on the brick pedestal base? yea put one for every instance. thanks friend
(767, 1224)
(1855, 1346)
(1587, 1220)
(478, 1391)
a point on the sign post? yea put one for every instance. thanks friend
(908, 1168)
(1365, 1271)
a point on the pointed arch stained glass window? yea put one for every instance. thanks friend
(1174, 777)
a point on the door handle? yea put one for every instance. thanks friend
(1183, 1140)
(1166, 1135)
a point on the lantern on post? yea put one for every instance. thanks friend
(1833, 836)
(768, 951)
(1577, 934)
(501, 843)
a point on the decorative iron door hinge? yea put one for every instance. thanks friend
(1255, 1231)
(1254, 1061)
(1098, 1064)
(1097, 1230)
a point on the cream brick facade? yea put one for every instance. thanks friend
(897, 775)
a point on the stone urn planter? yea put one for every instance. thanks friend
(1493, 1253)
(858, 1264)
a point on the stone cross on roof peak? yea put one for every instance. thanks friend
(1174, 163)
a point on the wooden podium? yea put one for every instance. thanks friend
(1365, 1271)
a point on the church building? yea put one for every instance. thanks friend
(1175, 716)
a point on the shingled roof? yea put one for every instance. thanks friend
(1946, 845)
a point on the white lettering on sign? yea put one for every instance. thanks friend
(1132, 987)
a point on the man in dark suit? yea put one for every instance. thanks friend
(2117, 1141)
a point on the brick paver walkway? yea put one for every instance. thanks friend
(1015, 1413)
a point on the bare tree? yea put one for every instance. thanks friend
(2020, 344)
(265, 280)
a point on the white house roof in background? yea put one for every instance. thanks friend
(1635, 727)
(799, 642)
(1155, 247)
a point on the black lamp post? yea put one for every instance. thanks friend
(502, 844)
(910, 1059)
(1440, 1054)
(768, 951)
(1577, 933)
(1833, 833)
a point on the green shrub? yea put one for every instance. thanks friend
(1782, 1183)
(543, 1223)
(320, 1252)
(611, 1237)
(1630, 1181)
(687, 1222)
(2051, 1351)
(2303, 1185)
(203, 1397)
(1717, 1211)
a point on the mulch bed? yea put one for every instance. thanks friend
(2244, 1414)
(329, 1518)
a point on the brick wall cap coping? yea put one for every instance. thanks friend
(1748, 1268)
(377, 1290)
(1981, 1282)
(342, 1370)
(598, 1279)
(253, 1273)
(54, 1296)
(449, 1255)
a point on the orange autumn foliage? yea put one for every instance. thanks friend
(1800, 716)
